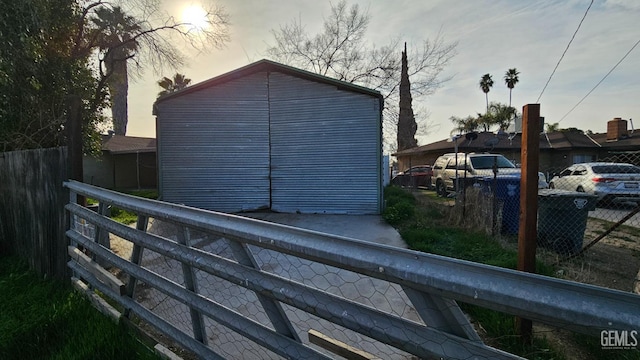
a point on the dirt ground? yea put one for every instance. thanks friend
(613, 262)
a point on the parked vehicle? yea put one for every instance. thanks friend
(611, 182)
(472, 165)
(415, 176)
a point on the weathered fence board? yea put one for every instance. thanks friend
(32, 202)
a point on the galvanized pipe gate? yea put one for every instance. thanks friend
(225, 286)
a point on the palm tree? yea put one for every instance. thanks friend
(552, 127)
(486, 82)
(179, 82)
(485, 120)
(114, 33)
(501, 115)
(464, 125)
(511, 79)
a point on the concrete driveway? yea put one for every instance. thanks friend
(362, 227)
(379, 294)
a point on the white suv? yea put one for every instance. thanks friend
(475, 165)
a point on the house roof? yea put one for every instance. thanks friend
(120, 144)
(630, 142)
(489, 141)
(268, 65)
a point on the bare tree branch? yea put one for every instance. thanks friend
(340, 51)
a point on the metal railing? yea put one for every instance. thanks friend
(225, 286)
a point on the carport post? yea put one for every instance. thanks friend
(528, 232)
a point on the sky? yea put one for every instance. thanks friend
(492, 36)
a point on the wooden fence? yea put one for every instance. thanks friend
(32, 201)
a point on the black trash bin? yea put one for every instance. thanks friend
(562, 219)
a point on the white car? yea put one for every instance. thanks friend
(611, 182)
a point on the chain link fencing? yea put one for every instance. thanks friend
(588, 219)
(229, 287)
(233, 288)
(381, 295)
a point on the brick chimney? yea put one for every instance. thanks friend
(616, 129)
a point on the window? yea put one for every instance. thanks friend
(451, 164)
(577, 159)
(566, 172)
(616, 169)
(580, 170)
(486, 162)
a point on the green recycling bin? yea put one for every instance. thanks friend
(562, 219)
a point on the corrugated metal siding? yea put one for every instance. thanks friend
(213, 146)
(325, 148)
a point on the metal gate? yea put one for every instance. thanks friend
(225, 286)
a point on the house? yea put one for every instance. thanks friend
(619, 143)
(558, 149)
(270, 136)
(126, 162)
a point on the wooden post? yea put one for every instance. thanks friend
(74, 140)
(528, 232)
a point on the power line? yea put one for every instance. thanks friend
(565, 51)
(601, 80)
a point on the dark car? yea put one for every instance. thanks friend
(416, 176)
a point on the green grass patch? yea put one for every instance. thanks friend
(400, 205)
(148, 194)
(46, 319)
(463, 244)
(123, 216)
(425, 228)
(127, 217)
(500, 331)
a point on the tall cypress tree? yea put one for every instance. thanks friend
(407, 125)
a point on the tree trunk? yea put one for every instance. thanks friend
(486, 96)
(118, 90)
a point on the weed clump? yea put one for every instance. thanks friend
(400, 205)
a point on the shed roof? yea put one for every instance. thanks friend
(268, 65)
(120, 144)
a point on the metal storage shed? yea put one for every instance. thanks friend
(270, 136)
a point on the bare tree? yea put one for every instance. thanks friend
(341, 51)
(137, 32)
